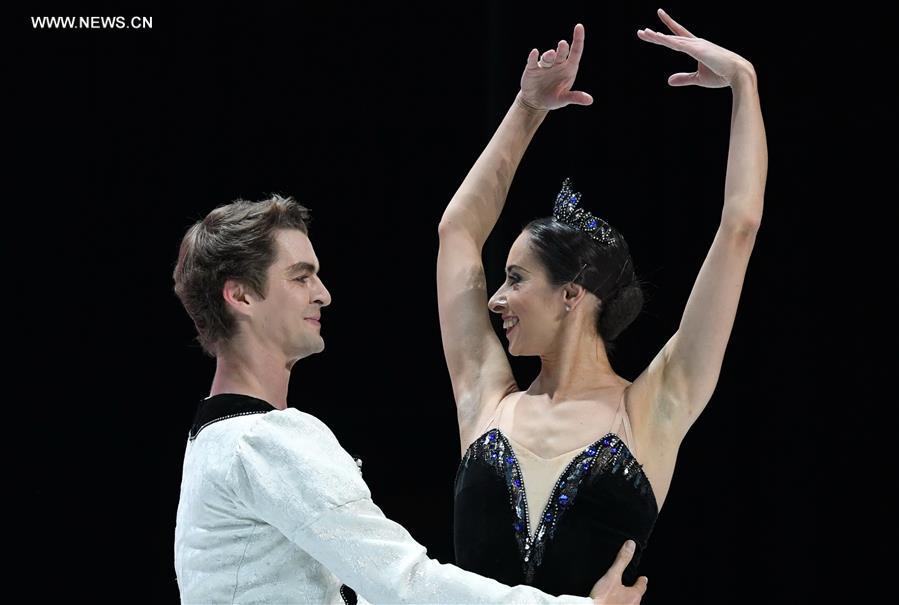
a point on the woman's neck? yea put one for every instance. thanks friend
(576, 366)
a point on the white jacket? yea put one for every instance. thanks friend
(274, 510)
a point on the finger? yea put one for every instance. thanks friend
(548, 58)
(562, 51)
(577, 44)
(641, 585)
(532, 59)
(688, 46)
(683, 79)
(647, 35)
(655, 37)
(673, 25)
(577, 97)
(623, 558)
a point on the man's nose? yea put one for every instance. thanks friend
(324, 297)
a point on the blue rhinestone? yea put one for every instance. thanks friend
(491, 436)
(548, 517)
(574, 199)
(517, 525)
(586, 466)
(516, 482)
(614, 450)
(510, 460)
(563, 499)
(591, 224)
(493, 455)
(591, 451)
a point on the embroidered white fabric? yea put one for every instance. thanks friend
(274, 510)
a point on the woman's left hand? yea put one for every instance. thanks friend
(718, 67)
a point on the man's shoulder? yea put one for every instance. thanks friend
(304, 451)
(292, 418)
(299, 429)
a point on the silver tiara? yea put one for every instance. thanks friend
(566, 211)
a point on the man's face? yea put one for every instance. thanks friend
(288, 320)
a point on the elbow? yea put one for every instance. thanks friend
(445, 225)
(450, 226)
(449, 223)
(749, 227)
(458, 226)
(414, 584)
(744, 226)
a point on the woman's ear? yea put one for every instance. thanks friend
(572, 295)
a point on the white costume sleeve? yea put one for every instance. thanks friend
(291, 471)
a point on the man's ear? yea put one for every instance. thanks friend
(238, 297)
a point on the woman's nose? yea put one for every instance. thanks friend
(497, 302)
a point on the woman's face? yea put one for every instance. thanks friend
(530, 306)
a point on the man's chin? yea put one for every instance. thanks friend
(316, 346)
(311, 349)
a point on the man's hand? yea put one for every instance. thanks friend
(609, 590)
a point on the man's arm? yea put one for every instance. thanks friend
(292, 472)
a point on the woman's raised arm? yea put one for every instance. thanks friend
(478, 367)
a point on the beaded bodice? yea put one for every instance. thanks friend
(600, 499)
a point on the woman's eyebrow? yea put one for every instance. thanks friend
(510, 267)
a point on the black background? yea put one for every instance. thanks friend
(371, 115)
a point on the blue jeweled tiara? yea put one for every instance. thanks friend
(566, 211)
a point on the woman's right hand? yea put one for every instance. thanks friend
(609, 588)
(546, 84)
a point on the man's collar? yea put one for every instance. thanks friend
(224, 406)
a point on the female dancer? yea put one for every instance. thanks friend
(550, 484)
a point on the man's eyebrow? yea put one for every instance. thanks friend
(302, 266)
(510, 267)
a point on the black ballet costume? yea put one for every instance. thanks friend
(601, 499)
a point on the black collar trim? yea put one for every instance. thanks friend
(224, 406)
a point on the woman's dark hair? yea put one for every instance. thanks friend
(570, 255)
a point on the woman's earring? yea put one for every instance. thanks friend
(567, 308)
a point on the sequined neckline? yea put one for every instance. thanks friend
(608, 453)
(608, 436)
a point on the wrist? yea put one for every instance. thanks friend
(744, 76)
(521, 102)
